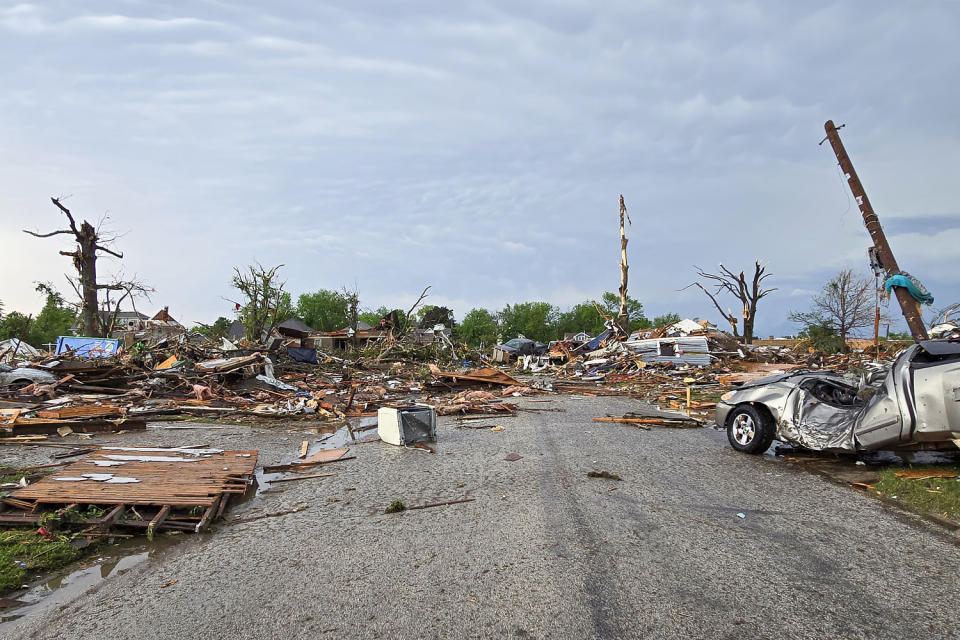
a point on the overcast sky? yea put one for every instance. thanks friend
(478, 147)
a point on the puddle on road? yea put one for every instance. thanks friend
(65, 586)
(337, 439)
(864, 467)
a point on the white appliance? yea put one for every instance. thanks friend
(406, 425)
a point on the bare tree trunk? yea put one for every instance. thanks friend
(623, 318)
(85, 262)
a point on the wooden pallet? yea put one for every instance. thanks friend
(170, 494)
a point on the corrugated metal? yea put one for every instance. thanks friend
(692, 350)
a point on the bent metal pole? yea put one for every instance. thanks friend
(909, 306)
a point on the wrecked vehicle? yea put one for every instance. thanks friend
(22, 376)
(914, 406)
(522, 347)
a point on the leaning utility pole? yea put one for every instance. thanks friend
(623, 318)
(909, 306)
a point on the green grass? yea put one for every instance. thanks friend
(13, 474)
(937, 496)
(25, 547)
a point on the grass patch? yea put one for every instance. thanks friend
(23, 551)
(13, 474)
(396, 507)
(938, 496)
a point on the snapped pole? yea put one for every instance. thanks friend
(909, 306)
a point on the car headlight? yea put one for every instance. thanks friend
(727, 395)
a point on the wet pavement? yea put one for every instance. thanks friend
(697, 540)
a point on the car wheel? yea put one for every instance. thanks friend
(749, 429)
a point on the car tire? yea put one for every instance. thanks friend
(750, 430)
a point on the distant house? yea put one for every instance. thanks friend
(163, 317)
(580, 338)
(236, 331)
(125, 321)
(294, 328)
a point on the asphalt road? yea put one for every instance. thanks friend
(544, 551)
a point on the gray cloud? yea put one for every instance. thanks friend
(479, 146)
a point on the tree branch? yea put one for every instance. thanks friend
(73, 225)
(47, 235)
(110, 251)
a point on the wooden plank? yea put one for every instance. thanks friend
(158, 519)
(107, 521)
(48, 426)
(208, 515)
(289, 467)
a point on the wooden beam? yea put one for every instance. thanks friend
(158, 519)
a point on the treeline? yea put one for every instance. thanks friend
(329, 310)
(544, 322)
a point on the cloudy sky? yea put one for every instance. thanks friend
(478, 147)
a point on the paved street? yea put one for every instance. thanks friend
(543, 552)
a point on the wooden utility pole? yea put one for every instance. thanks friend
(623, 318)
(909, 306)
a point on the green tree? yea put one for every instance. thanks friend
(14, 325)
(478, 328)
(610, 303)
(533, 320)
(217, 330)
(666, 319)
(373, 318)
(899, 335)
(823, 337)
(266, 303)
(432, 315)
(326, 310)
(54, 320)
(580, 317)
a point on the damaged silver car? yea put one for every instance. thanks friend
(914, 405)
(22, 376)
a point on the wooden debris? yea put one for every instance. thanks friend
(923, 474)
(312, 475)
(440, 504)
(167, 494)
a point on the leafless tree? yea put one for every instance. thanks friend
(266, 302)
(623, 318)
(748, 291)
(845, 304)
(89, 242)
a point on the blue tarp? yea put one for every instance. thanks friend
(88, 347)
(905, 280)
(594, 344)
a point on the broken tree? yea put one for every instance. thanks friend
(747, 292)
(623, 318)
(89, 242)
(267, 304)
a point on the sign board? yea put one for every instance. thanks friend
(88, 347)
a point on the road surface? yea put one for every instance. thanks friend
(544, 551)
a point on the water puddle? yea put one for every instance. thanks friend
(65, 586)
(339, 438)
(863, 467)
